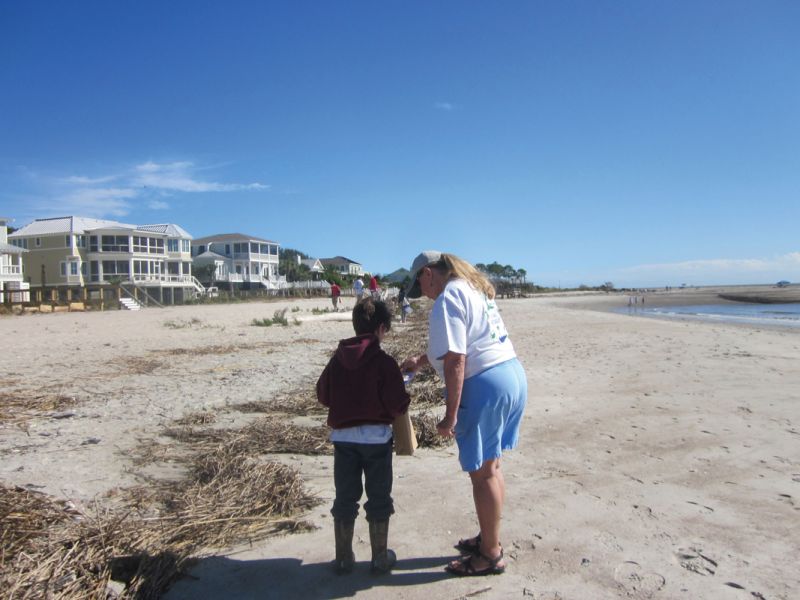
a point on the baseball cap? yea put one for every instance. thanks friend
(423, 259)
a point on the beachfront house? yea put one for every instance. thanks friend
(242, 260)
(344, 266)
(314, 266)
(12, 286)
(68, 254)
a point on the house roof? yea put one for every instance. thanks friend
(169, 229)
(69, 224)
(338, 260)
(230, 237)
(311, 263)
(210, 255)
(10, 249)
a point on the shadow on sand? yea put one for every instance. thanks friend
(218, 578)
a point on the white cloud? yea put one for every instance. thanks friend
(178, 176)
(144, 184)
(97, 202)
(713, 271)
(444, 106)
(80, 180)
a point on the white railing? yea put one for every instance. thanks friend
(307, 285)
(198, 286)
(180, 279)
(10, 270)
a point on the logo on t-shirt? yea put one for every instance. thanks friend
(497, 329)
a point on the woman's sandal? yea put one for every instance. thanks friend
(464, 567)
(469, 545)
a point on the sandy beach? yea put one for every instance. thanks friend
(658, 459)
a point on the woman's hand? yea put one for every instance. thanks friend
(414, 363)
(446, 427)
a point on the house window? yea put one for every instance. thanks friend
(73, 267)
(115, 267)
(140, 267)
(63, 269)
(38, 242)
(20, 243)
(67, 241)
(227, 249)
(187, 268)
(253, 247)
(114, 243)
(139, 244)
(95, 270)
(185, 246)
(92, 243)
(157, 245)
(84, 269)
(80, 241)
(172, 245)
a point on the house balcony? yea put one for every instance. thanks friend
(10, 273)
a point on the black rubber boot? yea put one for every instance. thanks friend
(345, 559)
(383, 559)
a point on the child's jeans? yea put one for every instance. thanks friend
(375, 462)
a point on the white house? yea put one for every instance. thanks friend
(314, 265)
(11, 267)
(241, 259)
(344, 266)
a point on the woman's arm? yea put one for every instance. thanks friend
(454, 382)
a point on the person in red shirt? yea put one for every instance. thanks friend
(336, 291)
(373, 288)
(362, 386)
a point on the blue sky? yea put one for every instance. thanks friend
(639, 142)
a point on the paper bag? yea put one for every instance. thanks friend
(405, 438)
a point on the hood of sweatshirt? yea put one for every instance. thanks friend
(356, 351)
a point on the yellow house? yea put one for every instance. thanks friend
(78, 252)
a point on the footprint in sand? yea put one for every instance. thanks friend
(636, 582)
(693, 559)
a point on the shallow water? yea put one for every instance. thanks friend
(775, 315)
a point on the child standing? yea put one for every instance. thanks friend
(362, 387)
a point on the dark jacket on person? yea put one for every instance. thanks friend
(362, 385)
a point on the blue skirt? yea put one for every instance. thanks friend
(492, 404)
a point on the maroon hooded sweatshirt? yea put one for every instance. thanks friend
(362, 385)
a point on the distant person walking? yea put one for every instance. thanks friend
(403, 302)
(358, 288)
(486, 390)
(336, 291)
(373, 288)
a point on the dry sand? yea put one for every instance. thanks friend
(658, 459)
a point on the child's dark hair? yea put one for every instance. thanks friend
(370, 314)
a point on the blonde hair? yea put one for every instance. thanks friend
(451, 266)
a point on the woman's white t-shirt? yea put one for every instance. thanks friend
(465, 321)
